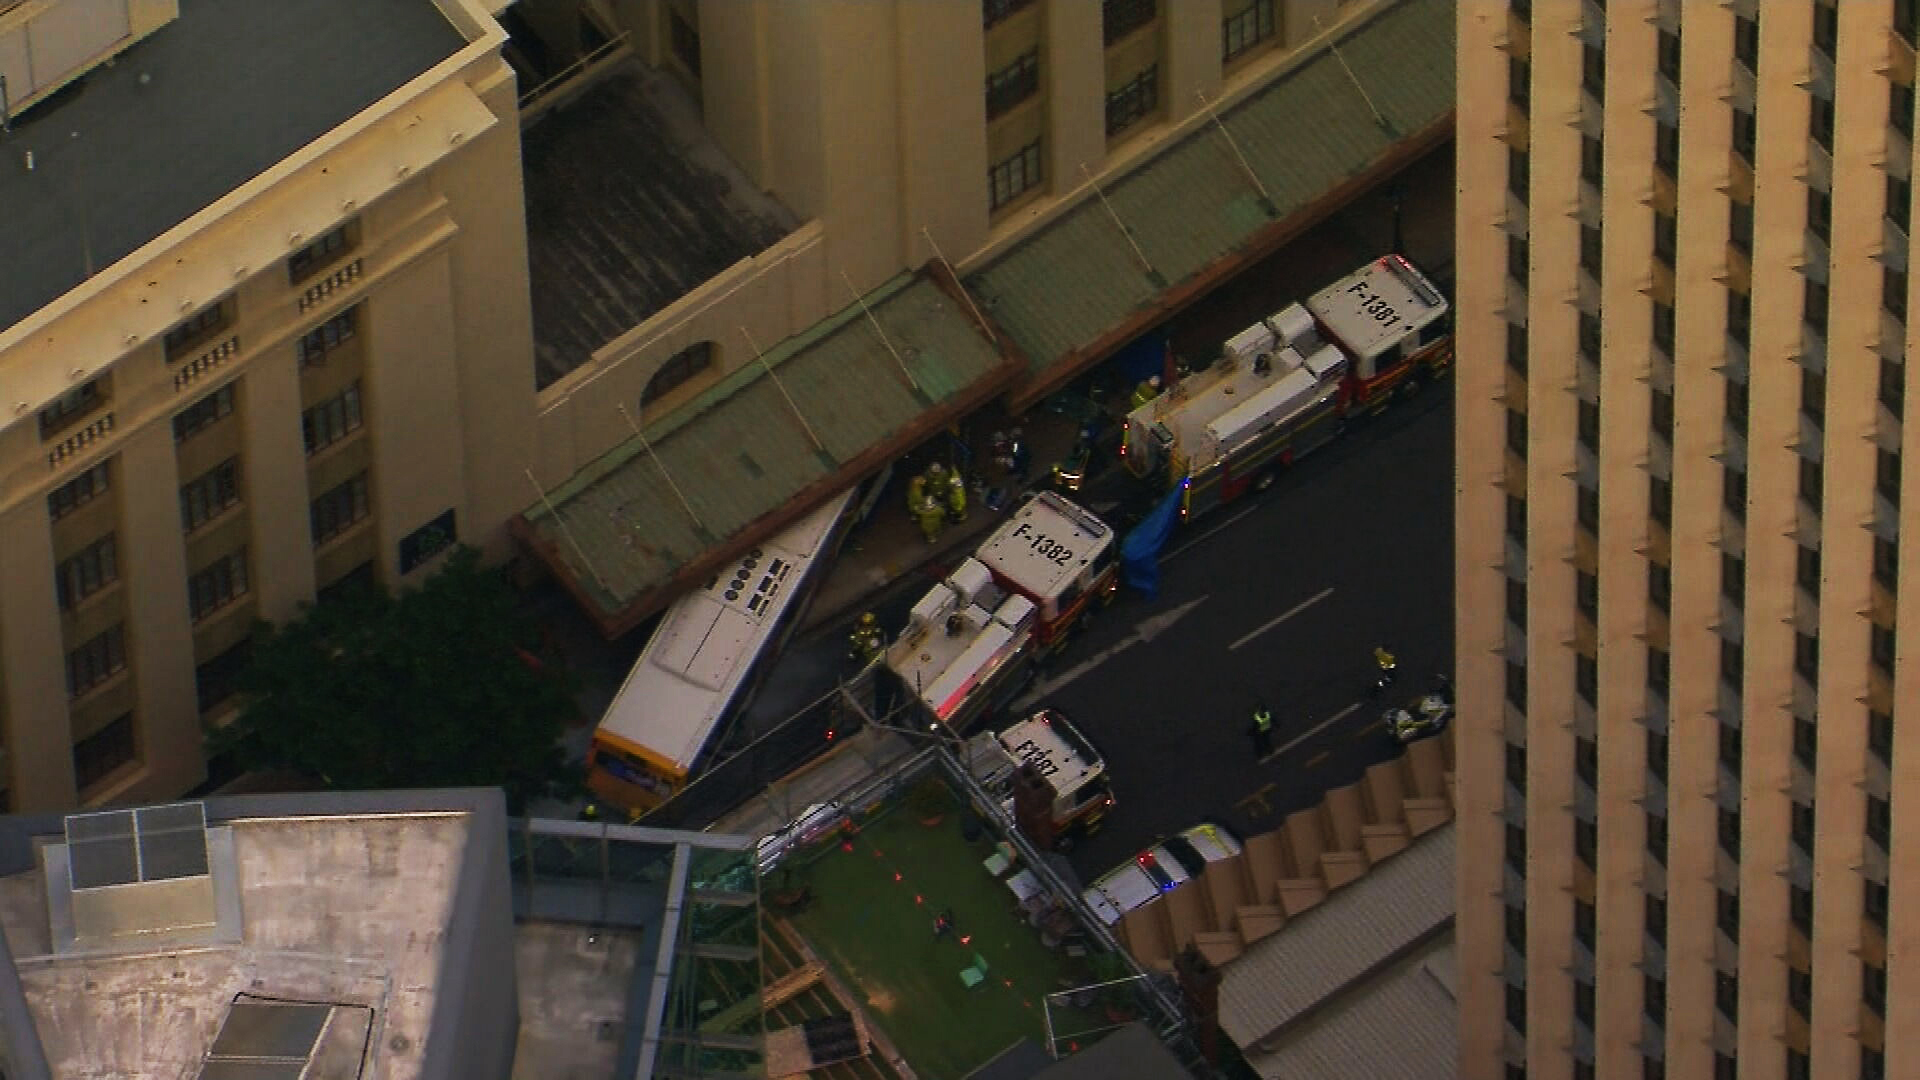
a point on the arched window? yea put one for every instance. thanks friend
(679, 367)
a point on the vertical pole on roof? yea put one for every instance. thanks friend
(1334, 48)
(1125, 233)
(1245, 166)
(878, 329)
(782, 387)
(568, 533)
(964, 294)
(658, 464)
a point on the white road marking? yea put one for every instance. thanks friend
(1146, 630)
(1314, 730)
(1176, 551)
(1288, 614)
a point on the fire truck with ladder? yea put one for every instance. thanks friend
(1028, 587)
(1286, 385)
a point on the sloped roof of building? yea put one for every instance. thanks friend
(190, 114)
(1130, 1053)
(1075, 289)
(618, 534)
(1402, 1024)
(1403, 902)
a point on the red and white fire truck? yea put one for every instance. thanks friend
(1287, 384)
(968, 641)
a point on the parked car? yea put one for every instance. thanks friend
(1161, 868)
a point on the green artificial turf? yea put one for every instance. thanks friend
(878, 933)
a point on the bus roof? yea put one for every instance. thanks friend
(1374, 308)
(706, 644)
(1045, 544)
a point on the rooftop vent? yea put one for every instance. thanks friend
(126, 875)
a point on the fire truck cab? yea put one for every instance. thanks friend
(1074, 774)
(1391, 322)
(971, 636)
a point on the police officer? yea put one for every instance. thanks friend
(1261, 730)
(867, 641)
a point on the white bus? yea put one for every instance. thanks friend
(703, 662)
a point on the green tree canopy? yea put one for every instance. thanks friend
(427, 688)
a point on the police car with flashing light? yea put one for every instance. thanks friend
(1158, 870)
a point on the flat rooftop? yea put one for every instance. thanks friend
(187, 116)
(630, 206)
(349, 910)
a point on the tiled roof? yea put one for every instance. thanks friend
(1400, 903)
(1076, 284)
(744, 460)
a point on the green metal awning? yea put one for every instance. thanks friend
(1076, 290)
(743, 454)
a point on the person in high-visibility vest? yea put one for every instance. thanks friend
(932, 518)
(1262, 730)
(867, 640)
(916, 491)
(956, 494)
(1148, 389)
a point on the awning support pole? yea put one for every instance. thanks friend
(1245, 166)
(567, 532)
(1334, 48)
(782, 387)
(658, 464)
(1125, 233)
(965, 294)
(878, 329)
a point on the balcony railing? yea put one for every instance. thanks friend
(73, 444)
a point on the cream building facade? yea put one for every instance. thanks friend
(328, 365)
(1683, 318)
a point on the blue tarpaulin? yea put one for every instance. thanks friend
(1142, 357)
(1140, 551)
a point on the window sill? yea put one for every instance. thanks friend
(333, 449)
(207, 618)
(218, 517)
(321, 547)
(86, 696)
(92, 600)
(107, 790)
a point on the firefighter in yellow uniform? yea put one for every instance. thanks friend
(932, 518)
(916, 490)
(956, 494)
(867, 640)
(1148, 389)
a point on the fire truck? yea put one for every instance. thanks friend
(1065, 771)
(972, 637)
(1286, 385)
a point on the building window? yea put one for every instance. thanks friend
(1659, 586)
(1820, 212)
(1590, 250)
(1730, 757)
(1666, 149)
(70, 407)
(1880, 734)
(1873, 1063)
(331, 420)
(1745, 134)
(1659, 677)
(87, 573)
(1874, 987)
(1656, 919)
(1586, 761)
(1740, 316)
(1517, 431)
(79, 491)
(1746, 41)
(1587, 328)
(1015, 176)
(1729, 820)
(1517, 684)
(1806, 656)
(339, 509)
(1879, 820)
(358, 580)
(1593, 71)
(1583, 990)
(104, 752)
(203, 414)
(218, 585)
(992, 11)
(1586, 840)
(95, 661)
(1881, 645)
(1812, 484)
(1517, 1008)
(1663, 327)
(1815, 294)
(1826, 27)
(1517, 767)
(1657, 840)
(686, 42)
(1587, 508)
(1517, 518)
(1517, 847)
(1586, 593)
(1666, 237)
(1726, 915)
(1874, 899)
(1661, 412)
(1133, 101)
(1013, 84)
(1820, 123)
(1241, 32)
(1592, 166)
(1893, 385)
(1516, 926)
(1518, 173)
(1518, 257)
(1669, 49)
(318, 255)
(216, 681)
(1733, 489)
(1519, 81)
(1806, 740)
(1587, 424)
(1740, 227)
(1886, 474)
(1654, 994)
(210, 494)
(1800, 818)
(199, 328)
(316, 343)
(1118, 18)
(1517, 602)
(1800, 907)
(1806, 565)
(1517, 348)
(1724, 1067)
(1893, 292)
(1900, 201)
(679, 369)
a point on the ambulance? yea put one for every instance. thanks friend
(1287, 385)
(970, 640)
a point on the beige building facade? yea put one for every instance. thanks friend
(1683, 318)
(261, 395)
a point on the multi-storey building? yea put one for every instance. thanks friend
(256, 335)
(1683, 316)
